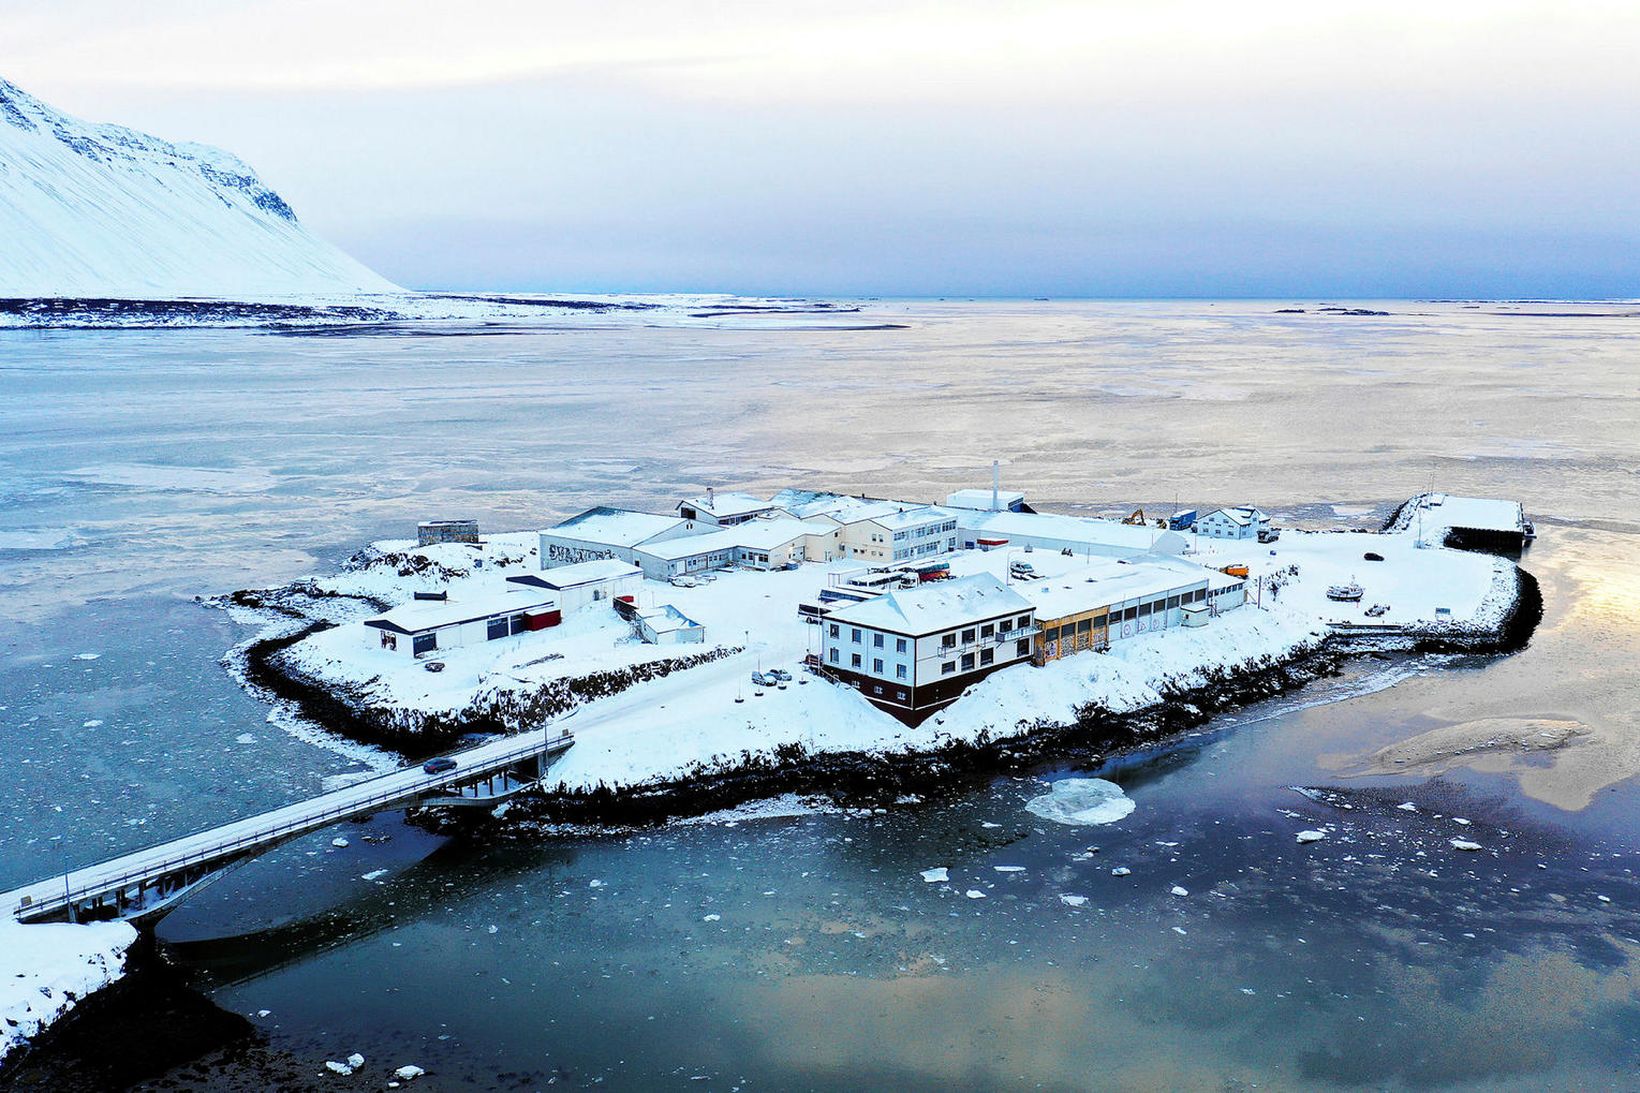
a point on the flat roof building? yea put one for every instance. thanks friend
(1080, 535)
(426, 626)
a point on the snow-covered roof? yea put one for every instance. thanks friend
(937, 606)
(1478, 513)
(581, 573)
(616, 527)
(912, 516)
(419, 616)
(665, 618)
(731, 503)
(843, 508)
(752, 535)
(981, 500)
(1073, 529)
(1107, 584)
(1241, 515)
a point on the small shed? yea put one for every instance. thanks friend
(430, 532)
(666, 625)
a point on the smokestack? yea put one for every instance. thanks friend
(710, 500)
(996, 485)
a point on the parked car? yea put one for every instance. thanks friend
(434, 666)
(439, 765)
(682, 582)
(761, 680)
(780, 674)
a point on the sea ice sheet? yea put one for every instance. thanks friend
(1082, 801)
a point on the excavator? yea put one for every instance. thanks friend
(1137, 519)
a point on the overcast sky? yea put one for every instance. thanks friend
(1135, 148)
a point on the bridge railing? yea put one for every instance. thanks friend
(313, 821)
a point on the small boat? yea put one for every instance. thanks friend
(1528, 530)
(1345, 593)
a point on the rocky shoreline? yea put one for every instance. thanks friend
(875, 778)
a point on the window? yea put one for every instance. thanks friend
(1024, 621)
(855, 632)
(854, 661)
(877, 640)
(876, 690)
(877, 666)
(968, 662)
(948, 667)
(1051, 634)
(988, 631)
(498, 628)
(517, 624)
(948, 641)
(423, 643)
(987, 656)
(967, 636)
(1023, 648)
(899, 645)
(900, 695)
(1130, 614)
(1144, 609)
(1172, 602)
(899, 671)
(1084, 626)
(835, 630)
(835, 656)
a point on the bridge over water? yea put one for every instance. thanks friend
(144, 885)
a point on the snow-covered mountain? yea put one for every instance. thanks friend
(91, 210)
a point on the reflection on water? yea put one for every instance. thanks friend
(140, 469)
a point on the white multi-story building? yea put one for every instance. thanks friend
(914, 652)
(1242, 522)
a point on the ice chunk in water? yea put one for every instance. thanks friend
(935, 876)
(1082, 801)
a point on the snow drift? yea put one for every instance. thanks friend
(90, 210)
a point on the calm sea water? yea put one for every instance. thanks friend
(138, 470)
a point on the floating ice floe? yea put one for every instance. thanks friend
(338, 1068)
(1121, 871)
(1178, 891)
(1464, 844)
(712, 918)
(1073, 901)
(408, 1073)
(936, 876)
(1407, 806)
(338, 842)
(86, 656)
(974, 893)
(1083, 801)
(374, 874)
(1460, 821)
(94, 723)
(1311, 836)
(355, 1060)
(1009, 868)
(242, 738)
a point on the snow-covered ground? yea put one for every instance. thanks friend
(50, 967)
(711, 715)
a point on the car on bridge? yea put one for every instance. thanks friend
(439, 765)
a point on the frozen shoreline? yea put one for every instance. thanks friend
(49, 968)
(650, 734)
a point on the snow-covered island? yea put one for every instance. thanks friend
(741, 635)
